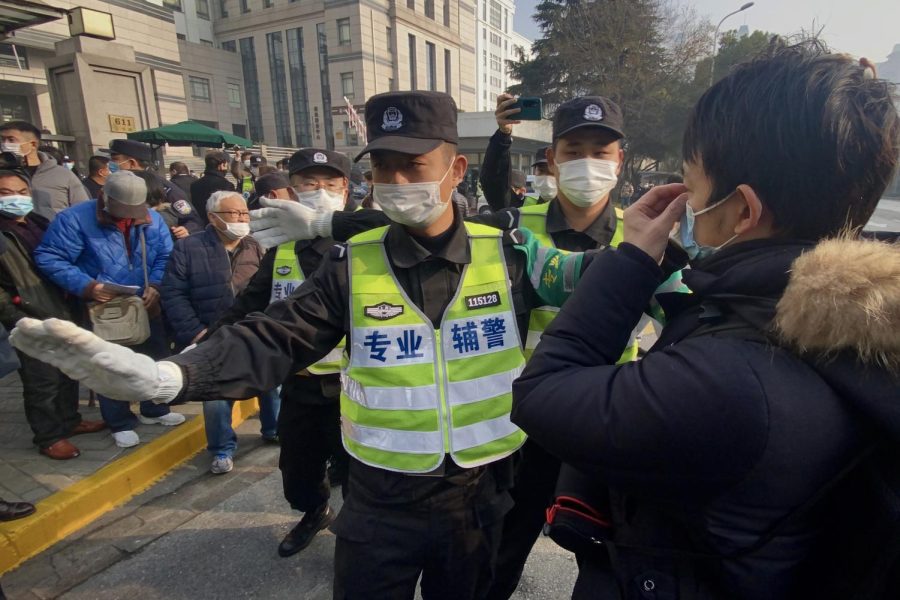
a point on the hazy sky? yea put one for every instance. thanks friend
(868, 28)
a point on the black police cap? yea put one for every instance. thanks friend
(540, 157)
(316, 157)
(410, 122)
(588, 111)
(130, 148)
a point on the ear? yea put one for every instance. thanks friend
(551, 161)
(621, 161)
(460, 164)
(752, 212)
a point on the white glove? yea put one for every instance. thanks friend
(106, 368)
(288, 221)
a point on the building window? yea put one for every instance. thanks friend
(495, 63)
(251, 88)
(275, 46)
(351, 136)
(347, 85)
(431, 57)
(496, 14)
(206, 43)
(199, 89)
(390, 40)
(223, 8)
(391, 84)
(173, 4)
(234, 95)
(239, 129)
(244, 7)
(229, 46)
(413, 83)
(343, 27)
(484, 59)
(268, 4)
(180, 36)
(411, 4)
(446, 13)
(322, 40)
(14, 59)
(448, 70)
(202, 9)
(495, 39)
(505, 21)
(429, 9)
(299, 93)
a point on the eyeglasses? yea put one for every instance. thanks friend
(235, 214)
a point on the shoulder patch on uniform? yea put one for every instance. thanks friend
(182, 207)
(338, 252)
(284, 270)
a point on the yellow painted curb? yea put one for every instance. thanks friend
(68, 510)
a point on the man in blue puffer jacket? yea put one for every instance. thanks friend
(97, 243)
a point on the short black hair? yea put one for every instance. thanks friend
(214, 158)
(96, 163)
(53, 152)
(23, 126)
(814, 137)
(156, 193)
(180, 168)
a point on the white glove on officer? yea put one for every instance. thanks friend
(106, 368)
(288, 221)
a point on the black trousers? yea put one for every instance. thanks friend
(532, 493)
(309, 426)
(51, 401)
(449, 538)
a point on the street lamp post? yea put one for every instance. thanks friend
(712, 65)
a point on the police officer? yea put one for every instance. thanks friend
(545, 187)
(309, 420)
(434, 310)
(131, 155)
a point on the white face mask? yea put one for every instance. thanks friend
(586, 181)
(247, 163)
(11, 147)
(545, 185)
(321, 199)
(416, 205)
(235, 231)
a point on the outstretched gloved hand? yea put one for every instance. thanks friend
(288, 221)
(106, 368)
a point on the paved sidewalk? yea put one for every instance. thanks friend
(26, 475)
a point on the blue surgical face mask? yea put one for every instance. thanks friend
(112, 166)
(685, 235)
(17, 206)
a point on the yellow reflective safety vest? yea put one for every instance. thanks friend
(534, 218)
(287, 276)
(412, 393)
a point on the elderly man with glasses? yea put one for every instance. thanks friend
(204, 275)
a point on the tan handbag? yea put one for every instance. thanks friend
(123, 320)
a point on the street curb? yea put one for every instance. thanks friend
(68, 510)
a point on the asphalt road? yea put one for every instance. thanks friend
(886, 217)
(229, 551)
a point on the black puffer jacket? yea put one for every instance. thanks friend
(202, 280)
(711, 439)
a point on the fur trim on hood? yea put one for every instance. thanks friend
(844, 295)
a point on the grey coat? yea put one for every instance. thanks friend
(54, 188)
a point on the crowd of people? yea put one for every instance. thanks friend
(471, 378)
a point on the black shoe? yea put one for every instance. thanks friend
(10, 511)
(303, 533)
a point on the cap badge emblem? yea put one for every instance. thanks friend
(593, 113)
(320, 158)
(392, 119)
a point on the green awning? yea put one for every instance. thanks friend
(188, 133)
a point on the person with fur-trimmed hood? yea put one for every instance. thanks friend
(735, 460)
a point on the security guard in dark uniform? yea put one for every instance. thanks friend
(309, 420)
(587, 132)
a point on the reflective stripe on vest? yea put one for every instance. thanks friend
(411, 393)
(534, 218)
(287, 276)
